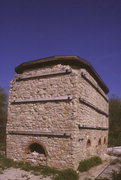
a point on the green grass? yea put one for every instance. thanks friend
(6, 163)
(67, 174)
(85, 165)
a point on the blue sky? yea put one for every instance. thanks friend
(33, 29)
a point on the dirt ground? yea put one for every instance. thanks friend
(17, 174)
(104, 170)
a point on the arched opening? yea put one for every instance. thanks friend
(99, 142)
(35, 147)
(104, 140)
(88, 143)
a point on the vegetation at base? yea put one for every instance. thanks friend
(67, 174)
(85, 165)
(3, 118)
(114, 121)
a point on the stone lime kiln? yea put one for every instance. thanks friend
(57, 112)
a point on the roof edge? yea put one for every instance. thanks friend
(71, 60)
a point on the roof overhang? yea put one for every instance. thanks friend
(66, 60)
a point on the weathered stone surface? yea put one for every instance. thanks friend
(56, 117)
(114, 151)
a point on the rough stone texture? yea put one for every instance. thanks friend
(56, 117)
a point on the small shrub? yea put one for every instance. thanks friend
(85, 165)
(68, 174)
(25, 166)
(49, 171)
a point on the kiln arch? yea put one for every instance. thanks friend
(88, 143)
(36, 147)
(99, 142)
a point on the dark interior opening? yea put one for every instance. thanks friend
(88, 143)
(99, 142)
(35, 147)
(104, 140)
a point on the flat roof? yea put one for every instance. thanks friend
(66, 60)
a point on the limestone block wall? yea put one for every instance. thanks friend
(48, 117)
(57, 116)
(93, 115)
